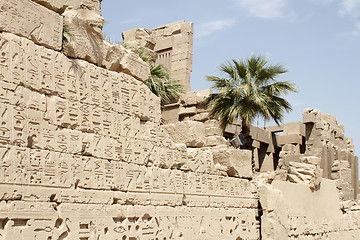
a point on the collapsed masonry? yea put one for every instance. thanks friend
(84, 156)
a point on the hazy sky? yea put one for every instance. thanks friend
(318, 41)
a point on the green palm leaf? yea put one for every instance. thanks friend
(249, 90)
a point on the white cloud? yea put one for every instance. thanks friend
(263, 8)
(214, 26)
(349, 6)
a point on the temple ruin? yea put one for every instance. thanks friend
(87, 153)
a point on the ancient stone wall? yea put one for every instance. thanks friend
(82, 151)
(171, 45)
(84, 155)
(297, 201)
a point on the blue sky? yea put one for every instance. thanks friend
(318, 41)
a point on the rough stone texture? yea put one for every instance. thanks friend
(83, 156)
(235, 161)
(274, 220)
(189, 132)
(304, 213)
(76, 221)
(304, 172)
(119, 59)
(172, 44)
(83, 39)
(83, 35)
(189, 107)
(60, 5)
(33, 21)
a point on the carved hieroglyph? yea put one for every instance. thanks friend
(33, 21)
(83, 156)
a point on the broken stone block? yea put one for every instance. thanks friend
(187, 111)
(237, 162)
(305, 173)
(139, 38)
(211, 141)
(213, 131)
(201, 117)
(83, 37)
(59, 6)
(189, 132)
(33, 21)
(132, 64)
(274, 221)
(199, 160)
(188, 99)
(311, 115)
(310, 160)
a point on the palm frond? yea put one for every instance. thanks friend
(162, 85)
(249, 90)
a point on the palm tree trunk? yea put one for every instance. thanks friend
(245, 131)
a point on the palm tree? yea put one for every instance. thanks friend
(160, 82)
(249, 90)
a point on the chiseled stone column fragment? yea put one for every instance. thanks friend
(33, 21)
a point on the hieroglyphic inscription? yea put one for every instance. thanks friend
(91, 221)
(31, 20)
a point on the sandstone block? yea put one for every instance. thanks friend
(211, 123)
(237, 162)
(83, 35)
(212, 141)
(189, 132)
(134, 66)
(233, 129)
(260, 134)
(294, 128)
(187, 111)
(275, 219)
(119, 59)
(201, 117)
(267, 162)
(213, 131)
(188, 99)
(33, 21)
(311, 115)
(60, 5)
(288, 139)
(139, 38)
(305, 173)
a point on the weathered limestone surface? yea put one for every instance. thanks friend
(83, 39)
(189, 132)
(83, 35)
(237, 162)
(33, 21)
(83, 156)
(304, 213)
(83, 153)
(172, 45)
(76, 221)
(60, 5)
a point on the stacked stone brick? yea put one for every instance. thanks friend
(82, 152)
(171, 45)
